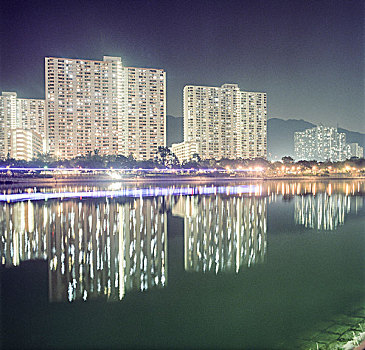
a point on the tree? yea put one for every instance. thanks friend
(287, 160)
(196, 158)
(165, 157)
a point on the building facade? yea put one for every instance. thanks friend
(84, 105)
(31, 113)
(184, 151)
(25, 144)
(320, 143)
(102, 106)
(8, 121)
(24, 114)
(146, 120)
(355, 150)
(225, 122)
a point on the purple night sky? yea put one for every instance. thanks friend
(307, 55)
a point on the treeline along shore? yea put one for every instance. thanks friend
(94, 167)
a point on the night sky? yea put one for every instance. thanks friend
(307, 55)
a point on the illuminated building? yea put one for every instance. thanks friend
(19, 113)
(223, 233)
(99, 248)
(105, 107)
(355, 150)
(184, 151)
(26, 144)
(321, 144)
(225, 122)
(8, 121)
(146, 123)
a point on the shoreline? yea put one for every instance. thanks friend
(25, 181)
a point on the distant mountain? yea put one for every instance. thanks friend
(174, 129)
(280, 136)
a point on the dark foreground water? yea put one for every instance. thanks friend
(239, 265)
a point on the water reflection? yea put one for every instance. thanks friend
(93, 248)
(223, 233)
(324, 211)
(105, 246)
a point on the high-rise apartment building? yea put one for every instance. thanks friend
(24, 114)
(225, 122)
(146, 128)
(320, 143)
(84, 106)
(101, 105)
(8, 121)
(31, 113)
(355, 150)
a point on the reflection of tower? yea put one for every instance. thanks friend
(222, 234)
(143, 244)
(23, 233)
(324, 211)
(94, 247)
(111, 248)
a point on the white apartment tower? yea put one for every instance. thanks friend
(101, 105)
(355, 150)
(84, 106)
(320, 143)
(31, 114)
(225, 122)
(8, 121)
(21, 114)
(146, 128)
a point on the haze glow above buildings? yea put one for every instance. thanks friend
(306, 55)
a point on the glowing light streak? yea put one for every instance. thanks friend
(122, 170)
(130, 192)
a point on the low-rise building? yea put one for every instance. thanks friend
(184, 151)
(25, 144)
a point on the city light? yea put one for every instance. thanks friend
(131, 192)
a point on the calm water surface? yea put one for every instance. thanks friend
(239, 265)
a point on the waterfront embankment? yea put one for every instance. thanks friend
(166, 179)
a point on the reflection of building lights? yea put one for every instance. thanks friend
(115, 176)
(93, 248)
(329, 190)
(106, 248)
(325, 211)
(222, 234)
